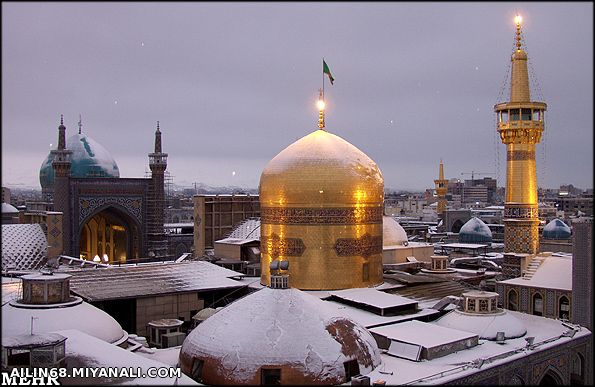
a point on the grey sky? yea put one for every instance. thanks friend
(232, 84)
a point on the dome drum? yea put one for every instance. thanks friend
(321, 203)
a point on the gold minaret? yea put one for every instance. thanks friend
(441, 189)
(520, 124)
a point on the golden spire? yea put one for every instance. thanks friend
(321, 105)
(519, 86)
(441, 173)
(518, 19)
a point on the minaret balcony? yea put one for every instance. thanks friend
(520, 132)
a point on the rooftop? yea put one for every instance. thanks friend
(150, 280)
(555, 272)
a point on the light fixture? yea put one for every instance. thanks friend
(96, 259)
(105, 258)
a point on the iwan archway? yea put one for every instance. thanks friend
(110, 236)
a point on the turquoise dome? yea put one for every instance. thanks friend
(556, 229)
(475, 231)
(89, 159)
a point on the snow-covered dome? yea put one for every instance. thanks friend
(9, 209)
(475, 231)
(283, 329)
(392, 232)
(81, 316)
(556, 229)
(321, 168)
(89, 159)
(486, 326)
(480, 314)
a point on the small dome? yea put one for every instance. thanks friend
(475, 231)
(486, 325)
(89, 159)
(81, 316)
(284, 329)
(392, 232)
(9, 209)
(556, 229)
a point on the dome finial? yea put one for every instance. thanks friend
(321, 105)
(80, 123)
(61, 119)
(518, 19)
(158, 126)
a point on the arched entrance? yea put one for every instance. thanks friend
(456, 227)
(551, 378)
(110, 236)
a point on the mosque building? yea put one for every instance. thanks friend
(104, 217)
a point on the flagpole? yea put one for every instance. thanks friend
(323, 78)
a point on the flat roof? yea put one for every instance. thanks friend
(424, 334)
(555, 272)
(151, 280)
(472, 246)
(379, 302)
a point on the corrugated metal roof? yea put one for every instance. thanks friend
(150, 280)
(24, 247)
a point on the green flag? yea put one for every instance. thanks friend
(325, 70)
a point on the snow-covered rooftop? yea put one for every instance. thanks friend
(486, 326)
(555, 272)
(83, 350)
(24, 247)
(150, 280)
(373, 298)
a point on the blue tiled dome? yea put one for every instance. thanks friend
(475, 231)
(89, 159)
(556, 229)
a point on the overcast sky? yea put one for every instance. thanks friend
(233, 84)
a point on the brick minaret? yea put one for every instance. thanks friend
(61, 165)
(155, 217)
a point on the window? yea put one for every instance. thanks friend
(526, 114)
(351, 369)
(504, 116)
(536, 115)
(537, 304)
(515, 114)
(197, 369)
(563, 308)
(471, 305)
(270, 376)
(513, 300)
(483, 305)
(365, 272)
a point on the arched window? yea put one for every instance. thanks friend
(563, 308)
(513, 300)
(537, 304)
(577, 370)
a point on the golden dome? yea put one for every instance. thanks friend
(321, 169)
(321, 203)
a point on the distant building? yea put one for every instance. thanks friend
(215, 216)
(5, 195)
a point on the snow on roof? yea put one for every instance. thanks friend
(248, 229)
(84, 317)
(425, 334)
(472, 246)
(8, 208)
(369, 320)
(83, 350)
(32, 340)
(457, 365)
(11, 290)
(278, 326)
(555, 272)
(24, 246)
(150, 280)
(486, 326)
(392, 232)
(372, 297)
(236, 241)
(167, 356)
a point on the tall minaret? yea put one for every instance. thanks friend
(61, 164)
(520, 124)
(441, 189)
(158, 164)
